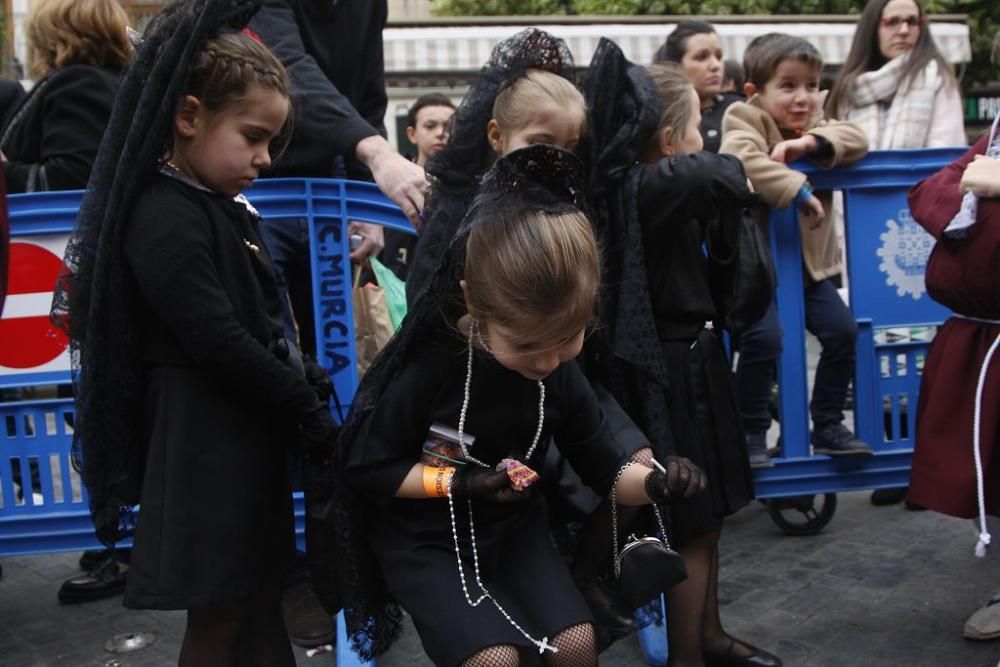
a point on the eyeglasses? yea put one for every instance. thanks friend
(893, 22)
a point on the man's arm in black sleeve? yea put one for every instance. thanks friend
(322, 113)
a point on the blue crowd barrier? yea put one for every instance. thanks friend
(886, 255)
(47, 511)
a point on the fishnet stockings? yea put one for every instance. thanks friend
(577, 648)
(502, 655)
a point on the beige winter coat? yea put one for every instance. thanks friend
(749, 133)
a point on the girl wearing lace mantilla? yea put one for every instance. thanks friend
(186, 394)
(460, 534)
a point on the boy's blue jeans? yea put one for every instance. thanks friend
(832, 323)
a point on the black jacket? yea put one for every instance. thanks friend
(51, 141)
(333, 52)
(209, 297)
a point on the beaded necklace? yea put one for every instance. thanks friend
(474, 336)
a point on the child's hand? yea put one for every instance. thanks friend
(319, 380)
(981, 177)
(476, 482)
(791, 150)
(681, 479)
(813, 208)
(318, 434)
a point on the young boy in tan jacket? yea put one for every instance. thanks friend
(781, 121)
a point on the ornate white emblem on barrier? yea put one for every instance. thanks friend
(904, 253)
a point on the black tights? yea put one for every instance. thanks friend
(694, 627)
(576, 647)
(236, 636)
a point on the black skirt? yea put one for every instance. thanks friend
(518, 564)
(705, 421)
(215, 524)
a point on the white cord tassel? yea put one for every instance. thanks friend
(984, 534)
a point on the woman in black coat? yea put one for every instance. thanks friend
(80, 48)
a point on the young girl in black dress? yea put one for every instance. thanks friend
(661, 200)
(186, 395)
(488, 353)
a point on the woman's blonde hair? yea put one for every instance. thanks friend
(674, 91)
(78, 32)
(517, 104)
(534, 268)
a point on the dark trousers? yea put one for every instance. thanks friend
(832, 323)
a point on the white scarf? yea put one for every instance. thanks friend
(906, 124)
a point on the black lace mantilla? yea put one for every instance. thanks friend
(624, 111)
(95, 301)
(456, 169)
(538, 177)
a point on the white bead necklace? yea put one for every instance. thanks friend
(543, 644)
(474, 335)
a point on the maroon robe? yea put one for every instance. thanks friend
(964, 275)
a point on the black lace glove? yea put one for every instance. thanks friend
(320, 381)
(682, 480)
(479, 483)
(318, 433)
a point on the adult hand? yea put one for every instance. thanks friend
(791, 150)
(402, 181)
(318, 434)
(813, 208)
(981, 177)
(479, 483)
(372, 240)
(683, 479)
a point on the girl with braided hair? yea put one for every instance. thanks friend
(186, 393)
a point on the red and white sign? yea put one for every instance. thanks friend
(29, 343)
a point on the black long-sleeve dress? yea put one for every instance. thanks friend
(413, 540)
(682, 201)
(215, 524)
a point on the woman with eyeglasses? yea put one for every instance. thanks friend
(896, 84)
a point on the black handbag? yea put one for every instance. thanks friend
(646, 567)
(741, 271)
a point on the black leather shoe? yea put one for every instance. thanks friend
(610, 612)
(308, 624)
(106, 580)
(757, 658)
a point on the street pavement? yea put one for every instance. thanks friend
(878, 587)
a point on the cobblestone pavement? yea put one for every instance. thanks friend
(878, 587)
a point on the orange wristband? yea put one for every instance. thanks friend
(436, 481)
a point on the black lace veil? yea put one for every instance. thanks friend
(623, 112)
(94, 301)
(539, 178)
(455, 170)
